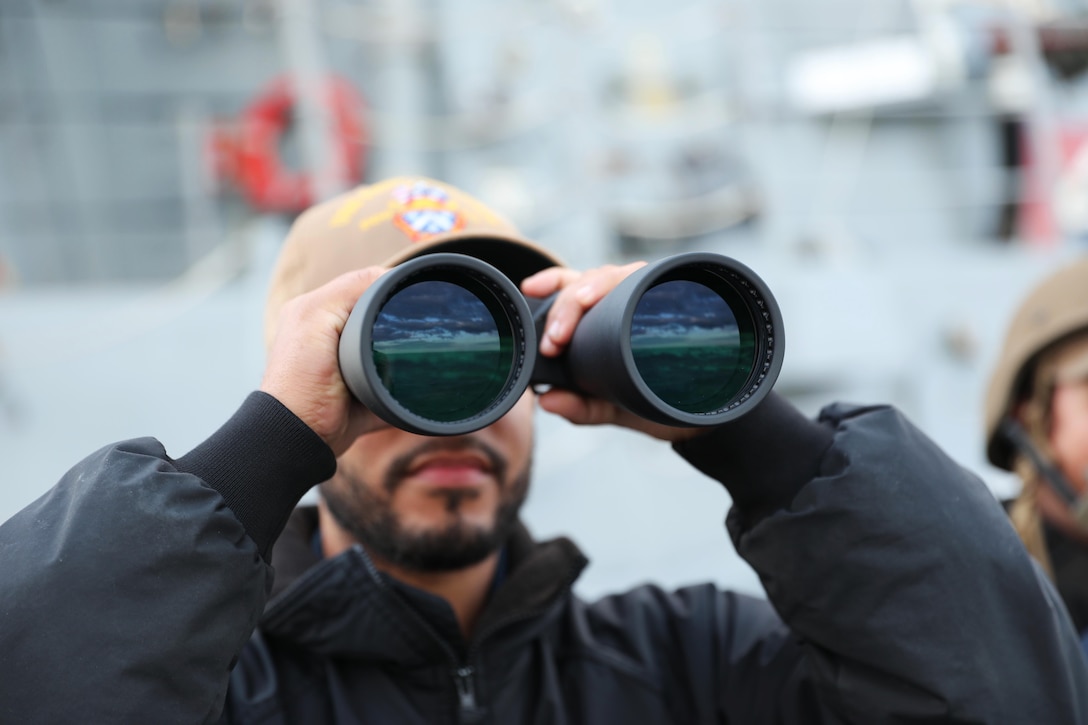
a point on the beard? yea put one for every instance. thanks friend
(368, 515)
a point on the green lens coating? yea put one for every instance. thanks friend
(440, 351)
(689, 348)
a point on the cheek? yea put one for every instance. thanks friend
(370, 456)
(1069, 433)
(520, 429)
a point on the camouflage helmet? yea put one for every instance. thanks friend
(1054, 310)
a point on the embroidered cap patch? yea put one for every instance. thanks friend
(426, 211)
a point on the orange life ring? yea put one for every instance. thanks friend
(259, 171)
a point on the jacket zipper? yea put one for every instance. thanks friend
(464, 681)
(466, 692)
(463, 673)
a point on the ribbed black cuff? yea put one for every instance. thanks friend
(763, 458)
(261, 461)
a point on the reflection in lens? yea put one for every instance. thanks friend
(440, 352)
(689, 348)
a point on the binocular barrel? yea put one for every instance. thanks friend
(445, 344)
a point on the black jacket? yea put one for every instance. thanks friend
(132, 592)
(1070, 561)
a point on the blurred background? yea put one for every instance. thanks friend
(900, 173)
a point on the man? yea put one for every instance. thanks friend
(140, 588)
(1037, 426)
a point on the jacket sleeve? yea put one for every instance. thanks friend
(907, 595)
(129, 588)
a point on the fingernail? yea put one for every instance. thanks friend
(584, 294)
(555, 329)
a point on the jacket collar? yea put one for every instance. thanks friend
(345, 607)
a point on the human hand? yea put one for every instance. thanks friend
(303, 369)
(577, 293)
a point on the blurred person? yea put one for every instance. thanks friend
(146, 588)
(1037, 427)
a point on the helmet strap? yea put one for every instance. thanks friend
(1019, 437)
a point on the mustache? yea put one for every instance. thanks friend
(399, 467)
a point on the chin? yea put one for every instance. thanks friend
(443, 520)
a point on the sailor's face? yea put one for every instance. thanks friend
(1069, 431)
(395, 490)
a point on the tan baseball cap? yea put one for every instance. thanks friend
(389, 222)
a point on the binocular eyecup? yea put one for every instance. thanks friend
(445, 344)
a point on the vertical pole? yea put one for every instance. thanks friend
(401, 90)
(300, 42)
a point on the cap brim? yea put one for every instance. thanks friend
(515, 257)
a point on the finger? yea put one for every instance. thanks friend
(336, 298)
(341, 294)
(591, 290)
(548, 281)
(574, 299)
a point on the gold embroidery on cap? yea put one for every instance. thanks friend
(350, 207)
(382, 216)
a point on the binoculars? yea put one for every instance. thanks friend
(445, 344)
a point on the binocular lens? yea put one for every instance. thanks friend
(438, 345)
(446, 344)
(440, 351)
(688, 346)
